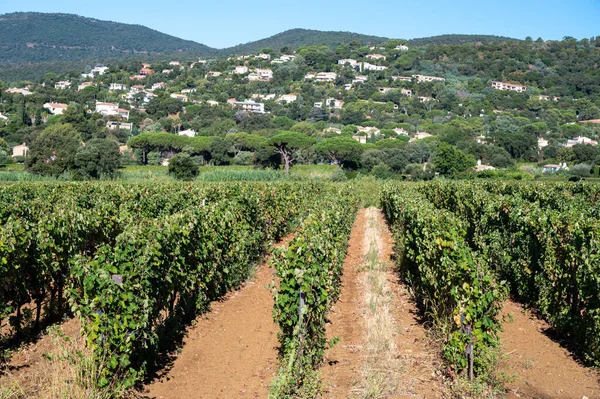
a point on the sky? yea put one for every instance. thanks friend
(224, 24)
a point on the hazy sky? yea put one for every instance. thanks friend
(226, 23)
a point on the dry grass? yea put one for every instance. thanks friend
(69, 372)
(381, 362)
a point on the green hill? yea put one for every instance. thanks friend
(459, 39)
(38, 37)
(295, 38)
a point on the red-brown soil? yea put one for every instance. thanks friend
(231, 352)
(543, 368)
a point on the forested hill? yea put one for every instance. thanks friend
(459, 39)
(295, 38)
(38, 37)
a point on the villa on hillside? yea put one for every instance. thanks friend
(509, 86)
(56, 108)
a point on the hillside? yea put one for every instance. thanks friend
(295, 38)
(39, 37)
(459, 39)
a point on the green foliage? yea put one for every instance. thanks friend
(53, 151)
(99, 158)
(339, 149)
(183, 167)
(449, 160)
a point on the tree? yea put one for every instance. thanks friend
(287, 144)
(53, 151)
(183, 167)
(99, 157)
(4, 152)
(339, 149)
(449, 160)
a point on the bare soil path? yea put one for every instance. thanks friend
(543, 368)
(231, 352)
(383, 350)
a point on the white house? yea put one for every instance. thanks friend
(406, 92)
(580, 140)
(287, 98)
(159, 86)
(264, 56)
(180, 97)
(100, 70)
(371, 67)
(480, 167)
(350, 61)
(509, 86)
(264, 74)
(375, 57)
(542, 143)
(401, 47)
(402, 78)
(188, 133)
(189, 90)
(14, 90)
(251, 106)
(213, 74)
(110, 109)
(84, 85)
(117, 87)
(240, 70)
(112, 125)
(360, 139)
(212, 103)
(62, 85)
(175, 63)
(20, 150)
(326, 76)
(384, 89)
(425, 78)
(334, 103)
(552, 168)
(400, 132)
(3, 117)
(56, 108)
(420, 135)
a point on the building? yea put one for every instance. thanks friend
(62, 85)
(99, 70)
(264, 56)
(406, 92)
(480, 167)
(167, 71)
(509, 86)
(553, 168)
(419, 136)
(580, 140)
(56, 108)
(137, 77)
(213, 74)
(180, 97)
(159, 86)
(112, 125)
(326, 76)
(110, 109)
(424, 99)
(175, 63)
(84, 85)
(240, 70)
(402, 78)
(117, 87)
(542, 143)
(384, 89)
(264, 74)
(189, 90)
(334, 103)
(350, 61)
(400, 132)
(14, 90)
(146, 71)
(360, 139)
(425, 78)
(212, 103)
(188, 133)
(20, 150)
(375, 57)
(371, 67)
(595, 121)
(401, 47)
(548, 98)
(287, 98)
(251, 106)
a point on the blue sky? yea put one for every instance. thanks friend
(226, 23)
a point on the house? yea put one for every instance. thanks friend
(99, 70)
(368, 130)
(167, 71)
(481, 139)
(287, 58)
(595, 121)
(263, 56)
(175, 63)
(580, 140)
(371, 67)
(264, 74)
(117, 87)
(425, 78)
(56, 108)
(360, 79)
(548, 98)
(406, 92)
(542, 143)
(23, 92)
(481, 168)
(401, 47)
(419, 136)
(332, 130)
(251, 106)
(20, 150)
(112, 125)
(509, 86)
(310, 76)
(326, 76)
(318, 105)
(240, 70)
(3, 117)
(334, 103)
(231, 101)
(384, 89)
(424, 99)
(375, 57)
(287, 98)
(264, 96)
(188, 133)
(213, 74)
(62, 85)
(180, 97)
(137, 77)
(553, 168)
(348, 86)
(350, 61)
(360, 139)
(189, 90)
(110, 109)
(201, 61)
(146, 65)
(146, 71)
(400, 132)
(212, 103)
(84, 85)
(402, 78)
(159, 86)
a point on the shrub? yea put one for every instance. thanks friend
(183, 167)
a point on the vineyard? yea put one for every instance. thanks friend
(136, 264)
